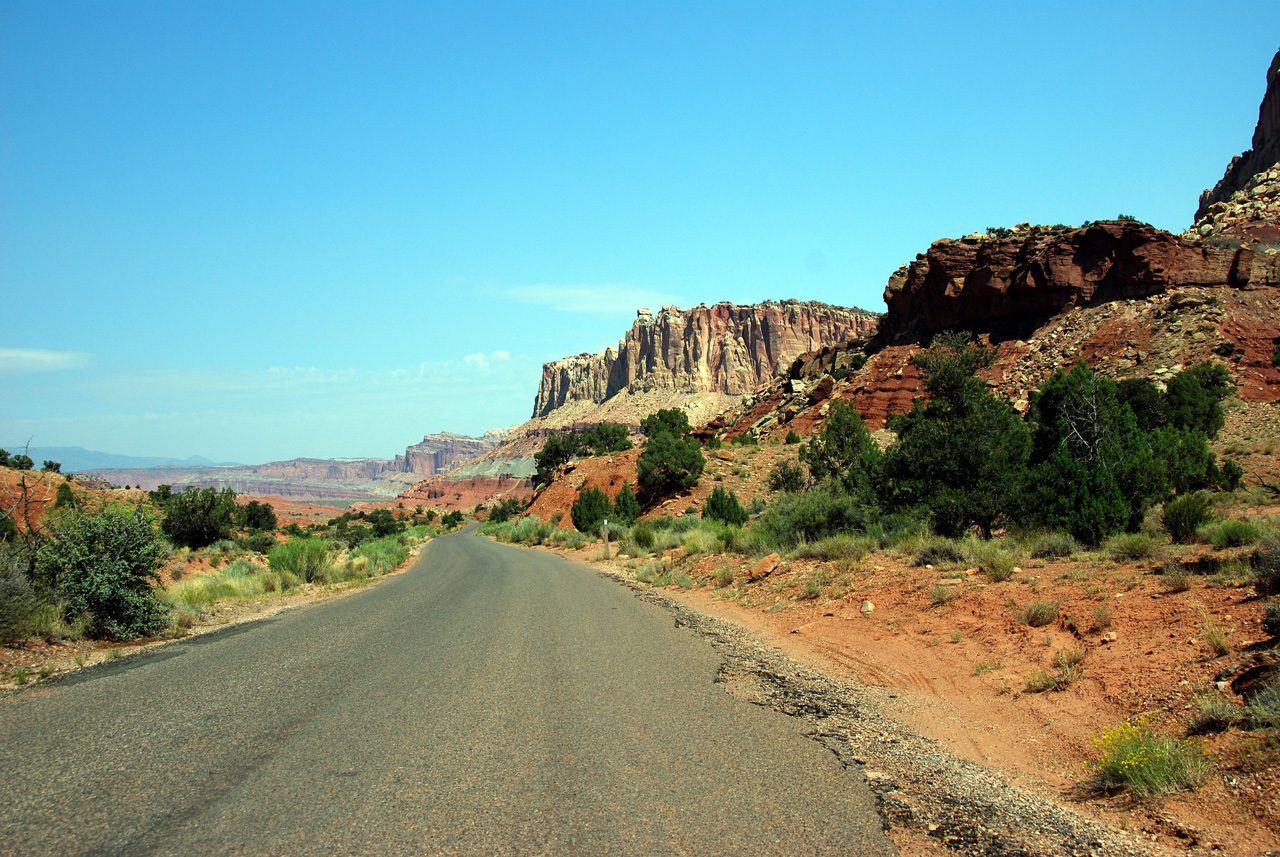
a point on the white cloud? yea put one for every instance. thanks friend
(477, 360)
(502, 355)
(20, 360)
(608, 299)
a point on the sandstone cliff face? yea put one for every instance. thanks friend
(1265, 152)
(727, 348)
(440, 453)
(980, 281)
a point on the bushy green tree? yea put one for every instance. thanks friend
(844, 450)
(1149, 406)
(383, 523)
(106, 563)
(669, 463)
(21, 462)
(590, 510)
(626, 508)
(257, 516)
(607, 439)
(198, 517)
(1195, 397)
(723, 506)
(787, 476)
(65, 497)
(507, 509)
(963, 458)
(556, 452)
(52, 466)
(1090, 459)
(673, 421)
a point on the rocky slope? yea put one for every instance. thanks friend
(726, 348)
(1264, 154)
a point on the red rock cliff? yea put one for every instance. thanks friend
(1036, 272)
(726, 348)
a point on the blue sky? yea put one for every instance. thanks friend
(255, 231)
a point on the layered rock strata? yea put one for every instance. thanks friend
(982, 281)
(727, 348)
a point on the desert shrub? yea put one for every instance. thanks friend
(1131, 546)
(256, 516)
(643, 534)
(1037, 614)
(845, 451)
(787, 476)
(106, 563)
(65, 498)
(941, 551)
(723, 506)
(699, 541)
(198, 516)
(1132, 756)
(1231, 476)
(669, 463)
(381, 555)
(1175, 578)
(1233, 534)
(626, 508)
(823, 511)
(1184, 515)
(1195, 397)
(259, 542)
(1271, 619)
(506, 509)
(792, 437)
(1266, 563)
(988, 555)
(590, 510)
(308, 559)
(724, 576)
(1215, 713)
(18, 602)
(745, 439)
(241, 568)
(1053, 545)
(841, 546)
(1263, 708)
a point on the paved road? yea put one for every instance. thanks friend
(491, 700)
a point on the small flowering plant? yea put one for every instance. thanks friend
(1133, 756)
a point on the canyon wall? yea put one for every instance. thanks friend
(727, 348)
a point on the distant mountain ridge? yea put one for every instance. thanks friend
(75, 459)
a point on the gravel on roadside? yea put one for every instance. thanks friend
(921, 790)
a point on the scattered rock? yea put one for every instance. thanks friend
(765, 567)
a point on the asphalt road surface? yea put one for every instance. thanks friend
(491, 700)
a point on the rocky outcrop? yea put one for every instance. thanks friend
(440, 453)
(727, 348)
(982, 281)
(342, 470)
(1264, 155)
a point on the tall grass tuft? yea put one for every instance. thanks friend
(309, 559)
(381, 555)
